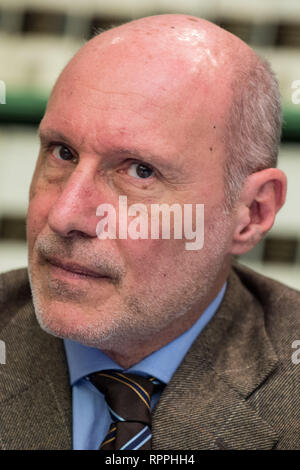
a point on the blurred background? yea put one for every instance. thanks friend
(37, 39)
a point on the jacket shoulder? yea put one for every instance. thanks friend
(280, 303)
(14, 292)
(263, 285)
(277, 398)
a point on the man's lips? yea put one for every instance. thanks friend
(75, 268)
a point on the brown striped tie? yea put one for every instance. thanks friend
(129, 399)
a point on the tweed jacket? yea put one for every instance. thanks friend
(236, 388)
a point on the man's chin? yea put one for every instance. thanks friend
(72, 323)
(67, 330)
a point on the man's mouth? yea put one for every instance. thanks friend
(76, 269)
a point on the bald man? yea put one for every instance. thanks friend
(166, 110)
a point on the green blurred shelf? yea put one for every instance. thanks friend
(29, 107)
(291, 123)
(23, 108)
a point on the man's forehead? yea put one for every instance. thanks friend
(167, 56)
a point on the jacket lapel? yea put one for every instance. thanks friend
(205, 404)
(35, 396)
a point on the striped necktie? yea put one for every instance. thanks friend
(128, 397)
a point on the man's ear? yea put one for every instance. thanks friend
(261, 197)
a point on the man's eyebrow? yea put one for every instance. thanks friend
(145, 156)
(158, 161)
(47, 135)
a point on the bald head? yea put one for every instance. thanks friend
(193, 39)
(167, 52)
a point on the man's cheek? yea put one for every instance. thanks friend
(37, 216)
(148, 258)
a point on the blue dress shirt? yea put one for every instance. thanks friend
(91, 418)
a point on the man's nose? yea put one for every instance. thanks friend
(74, 211)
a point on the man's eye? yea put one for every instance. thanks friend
(140, 170)
(62, 153)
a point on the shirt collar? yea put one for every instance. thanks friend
(84, 360)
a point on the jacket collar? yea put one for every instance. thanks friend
(205, 404)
